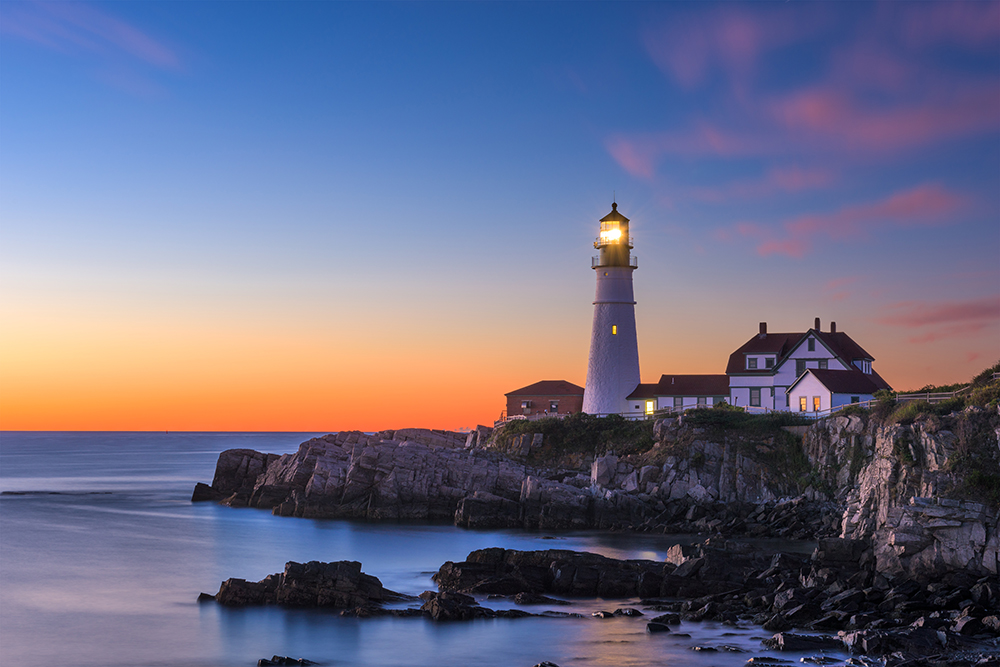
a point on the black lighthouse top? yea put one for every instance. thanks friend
(613, 242)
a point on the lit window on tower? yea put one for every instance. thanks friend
(610, 232)
(614, 329)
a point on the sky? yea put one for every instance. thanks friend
(323, 216)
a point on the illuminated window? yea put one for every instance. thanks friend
(614, 329)
(802, 403)
(649, 407)
(815, 403)
(610, 232)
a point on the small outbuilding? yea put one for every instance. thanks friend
(545, 399)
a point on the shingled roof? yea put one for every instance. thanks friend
(548, 388)
(781, 344)
(684, 385)
(846, 382)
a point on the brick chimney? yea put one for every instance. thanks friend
(763, 330)
(816, 326)
(833, 327)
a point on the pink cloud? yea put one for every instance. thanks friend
(791, 247)
(777, 179)
(832, 115)
(639, 154)
(731, 40)
(70, 26)
(927, 204)
(921, 313)
(955, 331)
(961, 23)
(924, 205)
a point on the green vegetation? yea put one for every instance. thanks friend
(982, 391)
(728, 419)
(581, 433)
(983, 485)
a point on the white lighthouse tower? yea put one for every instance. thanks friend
(613, 368)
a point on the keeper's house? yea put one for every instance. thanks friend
(770, 371)
(545, 399)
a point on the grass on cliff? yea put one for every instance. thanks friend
(583, 433)
(982, 391)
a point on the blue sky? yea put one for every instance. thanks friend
(246, 197)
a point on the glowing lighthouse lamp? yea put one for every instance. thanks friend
(613, 367)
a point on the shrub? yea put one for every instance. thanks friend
(581, 432)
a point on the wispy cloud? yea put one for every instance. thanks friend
(923, 313)
(925, 205)
(72, 27)
(787, 179)
(943, 319)
(835, 120)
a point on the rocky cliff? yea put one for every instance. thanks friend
(917, 494)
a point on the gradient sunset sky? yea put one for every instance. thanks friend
(327, 216)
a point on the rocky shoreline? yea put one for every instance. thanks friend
(906, 567)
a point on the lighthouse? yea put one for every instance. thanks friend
(613, 367)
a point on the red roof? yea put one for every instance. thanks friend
(684, 385)
(781, 344)
(643, 391)
(548, 388)
(846, 382)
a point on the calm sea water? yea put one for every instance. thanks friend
(102, 557)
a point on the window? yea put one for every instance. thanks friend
(525, 404)
(703, 400)
(649, 407)
(824, 364)
(614, 329)
(752, 363)
(800, 367)
(802, 403)
(678, 401)
(812, 344)
(855, 399)
(788, 399)
(755, 396)
(815, 403)
(553, 406)
(769, 363)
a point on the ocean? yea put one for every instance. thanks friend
(103, 555)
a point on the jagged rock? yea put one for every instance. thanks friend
(787, 641)
(313, 584)
(570, 573)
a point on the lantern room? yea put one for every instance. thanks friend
(613, 242)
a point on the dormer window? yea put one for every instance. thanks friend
(752, 363)
(769, 362)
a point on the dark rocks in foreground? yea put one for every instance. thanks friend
(340, 585)
(815, 603)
